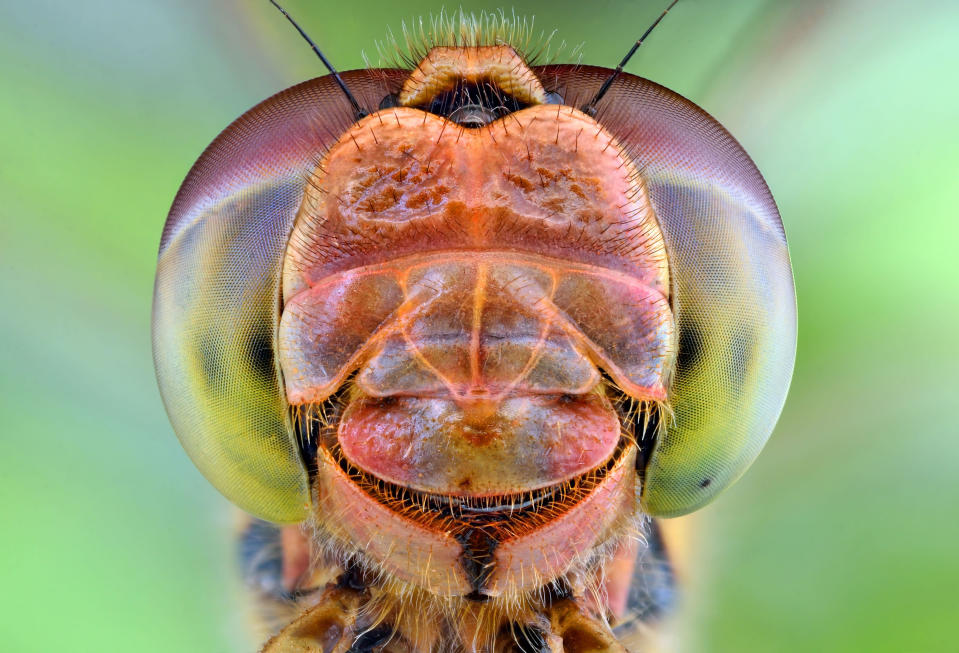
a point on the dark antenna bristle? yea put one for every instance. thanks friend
(590, 107)
(339, 80)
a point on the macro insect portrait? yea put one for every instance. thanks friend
(462, 333)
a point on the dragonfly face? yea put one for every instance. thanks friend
(473, 339)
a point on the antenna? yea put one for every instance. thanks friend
(326, 62)
(590, 107)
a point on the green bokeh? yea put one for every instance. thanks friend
(842, 537)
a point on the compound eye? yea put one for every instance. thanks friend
(216, 300)
(733, 292)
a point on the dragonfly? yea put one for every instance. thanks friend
(462, 334)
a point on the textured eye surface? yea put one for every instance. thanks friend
(216, 301)
(734, 297)
(218, 289)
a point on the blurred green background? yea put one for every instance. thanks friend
(842, 537)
